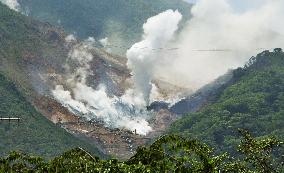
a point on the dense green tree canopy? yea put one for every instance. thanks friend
(167, 154)
(253, 99)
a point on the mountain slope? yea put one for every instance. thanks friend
(119, 20)
(33, 55)
(28, 50)
(253, 99)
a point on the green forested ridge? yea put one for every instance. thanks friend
(34, 134)
(26, 47)
(253, 99)
(119, 20)
(167, 154)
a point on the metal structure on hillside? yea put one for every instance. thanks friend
(9, 119)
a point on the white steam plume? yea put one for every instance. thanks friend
(158, 31)
(12, 4)
(105, 43)
(95, 104)
(214, 25)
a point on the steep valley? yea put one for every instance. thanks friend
(142, 86)
(75, 92)
(33, 55)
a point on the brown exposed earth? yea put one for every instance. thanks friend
(119, 143)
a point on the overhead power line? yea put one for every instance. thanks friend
(176, 48)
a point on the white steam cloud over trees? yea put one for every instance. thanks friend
(215, 25)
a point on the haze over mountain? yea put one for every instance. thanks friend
(174, 58)
(119, 21)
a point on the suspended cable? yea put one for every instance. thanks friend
(176, 48)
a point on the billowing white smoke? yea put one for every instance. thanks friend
(142, 60)
(13, 4)
(95, 104)
(216, 25)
